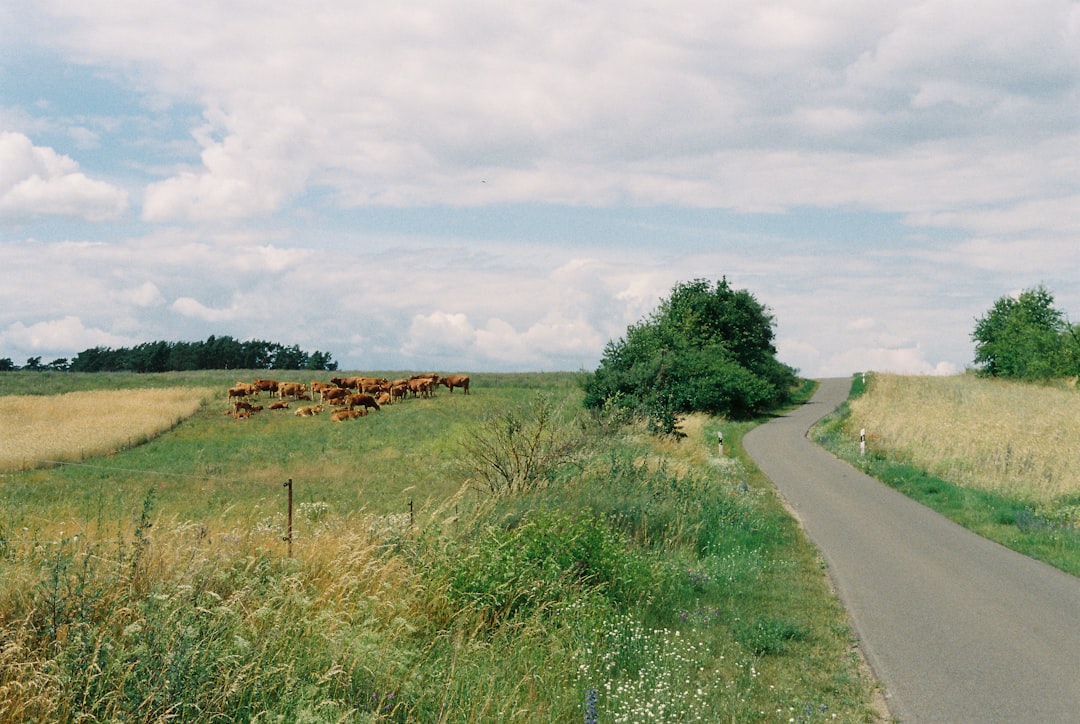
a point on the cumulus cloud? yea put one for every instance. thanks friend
(311, 139)
(37, 181)
(757, 107)
(59, 336)
(189, 307)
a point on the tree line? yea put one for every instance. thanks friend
(215, 353)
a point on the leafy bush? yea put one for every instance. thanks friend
(707, 348)
(1026, 338)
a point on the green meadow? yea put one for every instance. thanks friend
(502, 556)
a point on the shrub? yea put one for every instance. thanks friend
(705, 349)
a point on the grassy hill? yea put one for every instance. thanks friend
(627, 578)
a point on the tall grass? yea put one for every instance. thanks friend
(999, 435)
(38, 430)
(989, 454)
(633, 580)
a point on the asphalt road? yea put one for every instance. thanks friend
(956, 628)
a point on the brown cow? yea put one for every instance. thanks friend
(291, 389)
(342, 415)
(308, 410)
(318, 387)
(270, 386)
(280, 405)
(421, 386)
(453, 381)
(383, 398)
(334, 394)
(241, 390)
(363, 400)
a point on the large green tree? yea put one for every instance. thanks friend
(706, 348)
(1025, 337)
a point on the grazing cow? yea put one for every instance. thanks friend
(270, 386)
(334, 394)
(280, 405)
(363, 400)
(292, 389)
(399, 388)
(308, 410)
(318, 387)
(242, 390)
(420, 386)
(373, 386)
(453, 381)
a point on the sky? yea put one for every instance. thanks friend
(492, 186)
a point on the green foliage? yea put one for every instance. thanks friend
(215, 353)
(1026, 338)
(706, 348)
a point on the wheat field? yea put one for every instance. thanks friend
(1009, 437)
(37, 430)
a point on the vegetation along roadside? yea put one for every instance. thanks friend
(992, 454)
(617, 576)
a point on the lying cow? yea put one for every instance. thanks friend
(342, 415)
(308, 410)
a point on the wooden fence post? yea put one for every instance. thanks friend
(288, 530)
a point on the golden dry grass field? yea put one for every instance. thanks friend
(38, 429)
(1009, 437)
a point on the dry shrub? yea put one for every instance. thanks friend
(76, 425)
(994, 434)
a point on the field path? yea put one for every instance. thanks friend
(957, 628)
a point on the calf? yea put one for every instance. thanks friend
(308, 410)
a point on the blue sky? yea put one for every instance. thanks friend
(483, 186)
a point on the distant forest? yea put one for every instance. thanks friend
(216, 353)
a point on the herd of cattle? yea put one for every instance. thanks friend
(347, 397)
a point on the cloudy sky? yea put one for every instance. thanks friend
(478, 185)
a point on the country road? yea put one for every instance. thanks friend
(956, 628)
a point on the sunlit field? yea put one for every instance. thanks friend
(1008, 437)
(624, 578)
(40, 430)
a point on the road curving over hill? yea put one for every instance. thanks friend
(956, 628)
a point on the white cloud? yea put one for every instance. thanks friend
(37, 181)
(67, 335)
(759, 106)
(146, 294)
(439, 333)
(189, 307)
